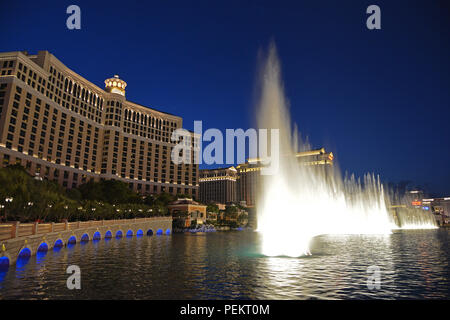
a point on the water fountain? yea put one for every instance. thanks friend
(408, 216)
(300, 202)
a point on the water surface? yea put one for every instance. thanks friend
(227, 265)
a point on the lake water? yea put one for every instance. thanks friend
(227, 265)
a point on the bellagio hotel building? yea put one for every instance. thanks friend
(62, 127)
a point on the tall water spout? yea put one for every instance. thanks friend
(299, 201)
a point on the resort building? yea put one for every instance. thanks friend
(186, 211)
(62, 127)
(249, 176)
(218, 185)
(240, 184)
(440, 207)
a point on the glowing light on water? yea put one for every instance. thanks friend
(300, 202)
(412, 226)
(411, 218)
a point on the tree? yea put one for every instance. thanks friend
(231, 212)
(165, 199)
(150, 200)
(74, 194)
(213, 208)
(45, 200)
(242, 218)
(111, 191)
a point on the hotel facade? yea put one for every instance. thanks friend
(218, 185)
(62, 127)
(241, 184)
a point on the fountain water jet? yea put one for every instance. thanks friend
(300, 202)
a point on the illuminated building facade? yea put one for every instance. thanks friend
(249, 173)
(440, 207)
(218, 185)
(240, 184)
(62, 127)
(185, 211)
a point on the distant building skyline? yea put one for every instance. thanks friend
(241, 184)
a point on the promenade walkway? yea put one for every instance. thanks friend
(21, 240)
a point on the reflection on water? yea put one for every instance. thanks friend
(414, 264)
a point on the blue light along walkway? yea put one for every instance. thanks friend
(25, 240)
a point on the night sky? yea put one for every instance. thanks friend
(378, 99)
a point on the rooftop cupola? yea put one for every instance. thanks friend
(115, 85)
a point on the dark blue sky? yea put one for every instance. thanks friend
(378, 99)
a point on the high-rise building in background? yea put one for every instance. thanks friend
(62, 127)
(218, 185)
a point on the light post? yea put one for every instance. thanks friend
(7, 200)
(66, 217)
(29, 204)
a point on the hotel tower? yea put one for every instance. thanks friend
(62, 127)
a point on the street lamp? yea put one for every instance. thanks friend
(7, 200)
(29, 204)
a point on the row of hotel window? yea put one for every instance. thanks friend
(129, 160)
(82, 101)
(53, 89)
(140, 124)
(74, 95)
(80, 142)
(49, 172)
(6, 67)
(74, 177)
(2, 96)
(40, 124)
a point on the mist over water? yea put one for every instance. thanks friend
(300, 202)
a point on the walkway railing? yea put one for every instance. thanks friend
(16, 229)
